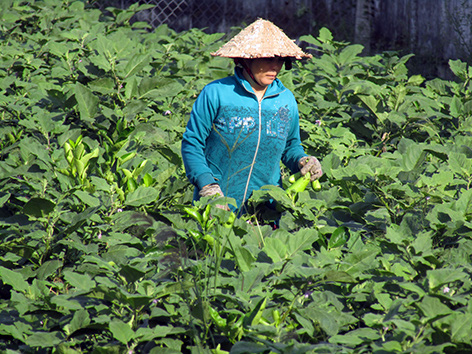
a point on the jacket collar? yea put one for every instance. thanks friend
(274, 88)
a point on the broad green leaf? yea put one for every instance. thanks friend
(244, 258)
(87, 102)
(136, 64)
(444, 276)
(247, 347)
(337, 276)
(14, 279)
(158, 89)
(326, 319)
(432, 308)
(44, 339)
(456, 107)
(120, 254)
(79, 281)
(80, 320)
(141, 196)
(121, 331)
(393, 310)
(38, 207)
(325, 35)
(362, 260)
(461, 328)
(63, 301)
(253, 318)
(131, 88)
(131, 274)
(137, 301)
(275, 249)
(356, 337)
(338, 238)
(349, 53)
(459, 68)
(149, 334)
(371, 102)
(14, 331)
(48, 268)
(88, 198)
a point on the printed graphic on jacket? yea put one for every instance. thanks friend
(237, 129)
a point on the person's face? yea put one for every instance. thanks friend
(265, 70)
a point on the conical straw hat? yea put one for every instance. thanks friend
(261, 39)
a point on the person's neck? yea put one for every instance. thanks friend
(259, 90)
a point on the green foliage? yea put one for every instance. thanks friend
(103, 251)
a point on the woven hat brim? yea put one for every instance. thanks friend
(261, 39)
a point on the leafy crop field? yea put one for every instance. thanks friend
(102, 250)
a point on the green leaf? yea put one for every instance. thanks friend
(159, 89)
(324, 318)
(80, 320)
(120, 254)
(87, 198)
(337, 276)
(87, 102)
(456, 107)
(14, 279)
(44, 339)
(275, 249)
(121, 331)
(38, 207)
(459, 68)
(338, 238)
(444, 276)
(244, 257)
(141, 196)
(325, 35)
(4, 199)
(48, 268)
(349, 53)
(433, 308)
(371, 102)
(136, 64)
(356, 337)
(253, 318)
(461, 328)
(131, 274)
(79, 281)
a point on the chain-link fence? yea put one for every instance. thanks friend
(295, 17)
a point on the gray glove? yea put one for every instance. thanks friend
(213, 190)
(312, 165)
(210, 190)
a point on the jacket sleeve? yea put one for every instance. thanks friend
(195, 136)
(293, 148)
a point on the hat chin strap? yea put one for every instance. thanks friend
(246, 67)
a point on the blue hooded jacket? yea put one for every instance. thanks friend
(238, 142)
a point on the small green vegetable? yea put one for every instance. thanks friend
(316, 185)
(300, 184)
(294, 177)
(217, 319)
(229, 224)
(194, 214)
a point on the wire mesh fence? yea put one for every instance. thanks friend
(295, 17)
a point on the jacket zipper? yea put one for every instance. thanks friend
(258, 144)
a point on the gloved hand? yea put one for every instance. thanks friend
(210, 190)
(312, 165)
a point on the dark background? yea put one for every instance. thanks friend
(434, 30)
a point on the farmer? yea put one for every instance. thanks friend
(242, 126)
